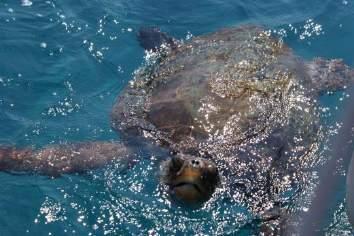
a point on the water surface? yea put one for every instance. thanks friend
(62, 63)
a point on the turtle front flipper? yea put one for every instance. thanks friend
(55, 160)
(329, 75)
(151, 38)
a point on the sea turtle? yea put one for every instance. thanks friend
(236, 103)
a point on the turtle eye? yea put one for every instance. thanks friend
(176, 162)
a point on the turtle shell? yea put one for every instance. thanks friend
(238, 95)
(234, 86)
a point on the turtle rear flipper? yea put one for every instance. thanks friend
(330, 75)
(151, 38)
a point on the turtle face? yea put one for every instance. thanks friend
(192, 180)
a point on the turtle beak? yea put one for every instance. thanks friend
(191, 180)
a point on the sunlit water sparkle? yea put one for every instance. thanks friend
(63, 63)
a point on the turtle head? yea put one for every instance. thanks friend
(191, 180)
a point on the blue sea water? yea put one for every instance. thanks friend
(62, 63)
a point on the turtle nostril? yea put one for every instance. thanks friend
(195, 162)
